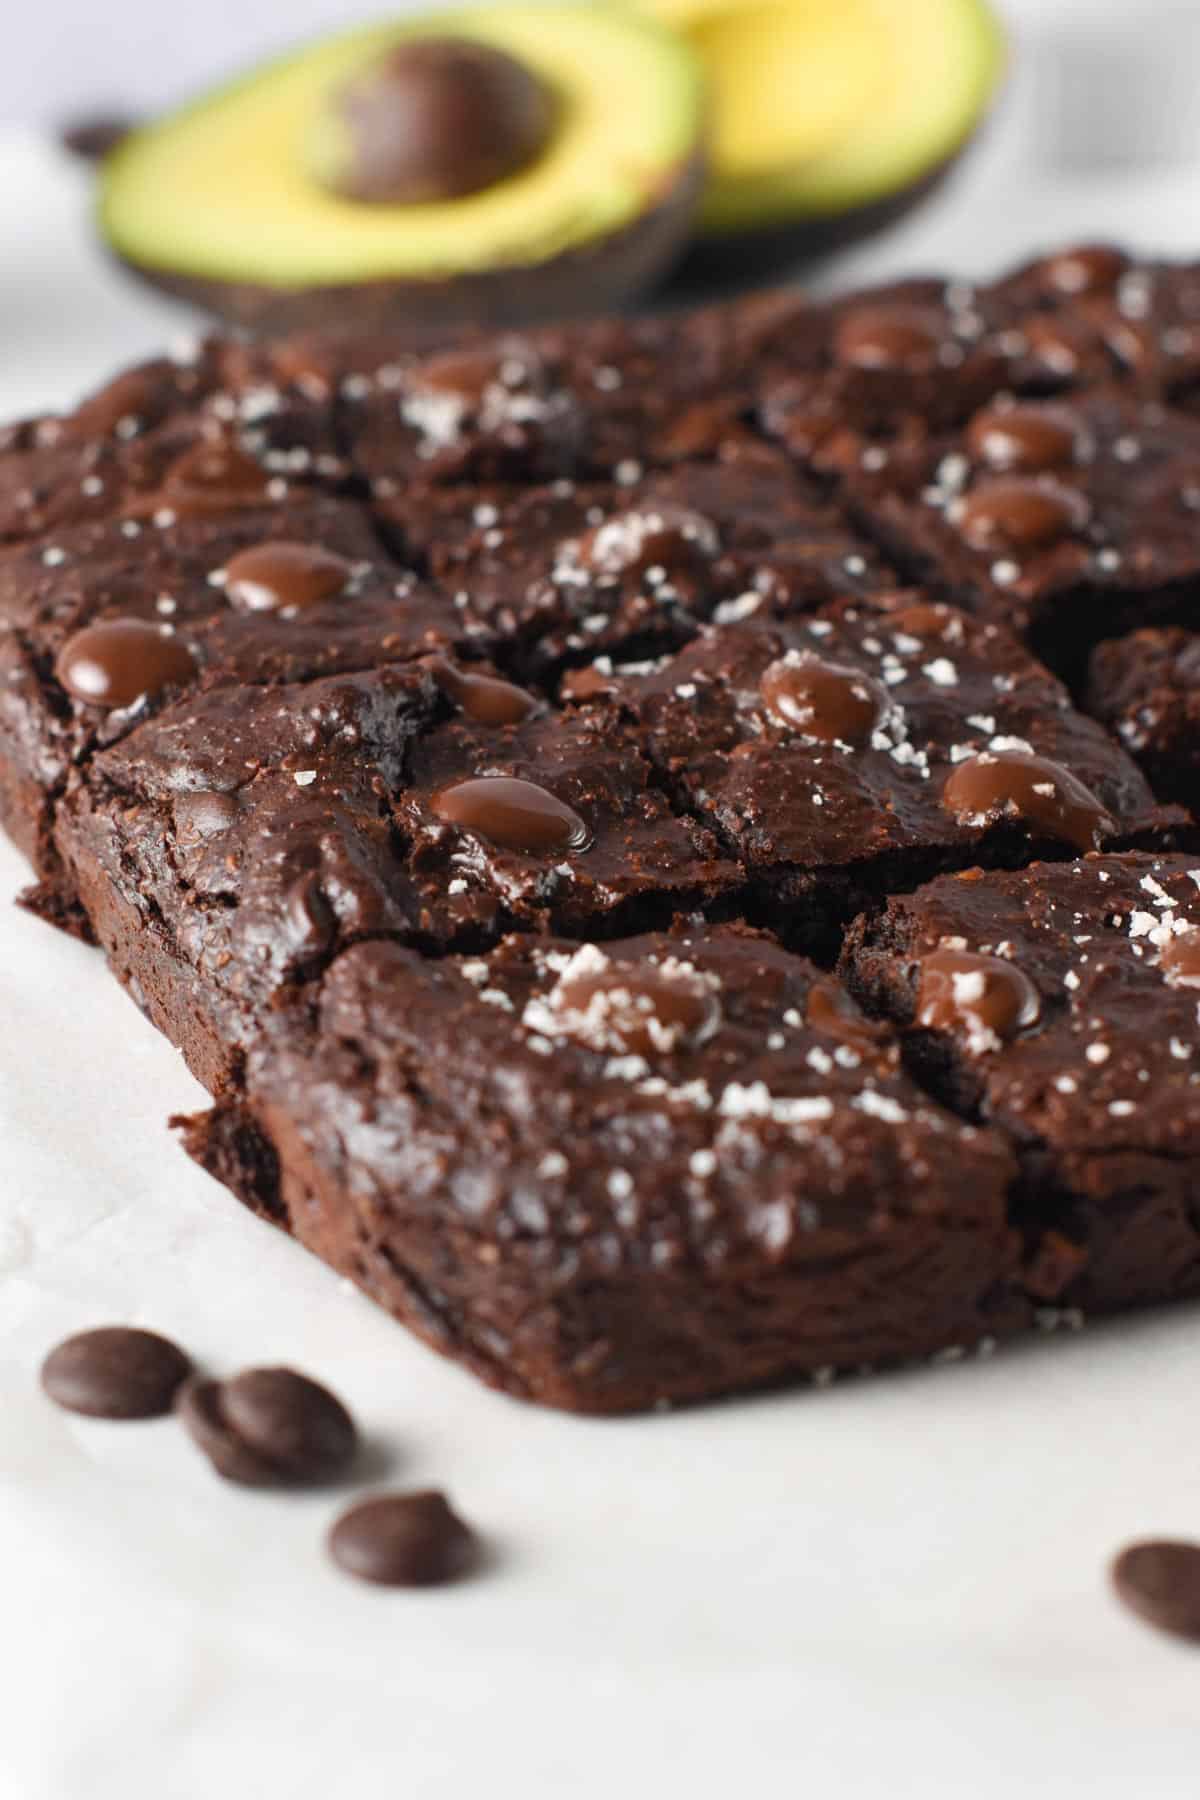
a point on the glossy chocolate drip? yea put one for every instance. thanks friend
(1017, 513)
(284, 576)
(1043, 794)
(990, 998)
(484, 698)
(821, 699)
(119, 661)
(513, 815)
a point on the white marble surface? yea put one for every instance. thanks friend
(893, 1588)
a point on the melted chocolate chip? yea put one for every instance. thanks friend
(832, 1012)
(821, 699)
(512, 814)
(1160, 1581)
(466, 373)
(1046, 796)
(660, 535)
(310, 917)
(284, 576)
(1085, 269)
(268, 1426)
(203, 815)
(921, 620)
(1025, 438)
(991, 998)
(634, 1009)
(122, 405)
(1016, 513)
(484, 698)
(438, 118)
(1059, 346)
(119, 661)
(403, 1540)
(1180, 958)
(115, 1372)
(213, 476)
(892, 338)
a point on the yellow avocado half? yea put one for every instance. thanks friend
(824, 107)
(220, 203)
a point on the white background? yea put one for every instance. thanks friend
(892, 1589)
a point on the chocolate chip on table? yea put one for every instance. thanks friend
(484, 698)
(269, 1427)
(403, 1540)
(512, 814)
(284, 577)
(115, 1372)
(1159, 1580)
(119, 661)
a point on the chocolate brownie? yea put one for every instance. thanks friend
(574, 1167)
(1146, 688)
(479, 759)
(566, 571)
(1068, 519)
(1058, 1004)
(843, 756)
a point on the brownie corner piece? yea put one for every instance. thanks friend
(1058, 1004)
(612, 1175)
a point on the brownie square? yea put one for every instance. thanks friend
(1146, 689)
(1069, 520)
(610, 1176)
(1058, 1003)
(568, 571)
(837, 757)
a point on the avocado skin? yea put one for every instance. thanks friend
(714, 268)
(592, 278)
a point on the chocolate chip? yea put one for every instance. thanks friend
(1016, 513)
(213, 476)
(1085, 269)
(128, 401)
(311, 918)
(1059, 346)
(437, 118)
(119, 661)
(269, 1426)
(484, 698)
(203, 814)
(893, 338)
(1028, 438)
(403, 1540)
(660, 535)
(115, 1372)
(1011, 784)
(821, 699)
(512, 814)
(831, 1011)
(284, 576)
(1160, 1581)
(634, 1009)
(991, 998)
(1180, 958)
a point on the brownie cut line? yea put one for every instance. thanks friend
(671, 843)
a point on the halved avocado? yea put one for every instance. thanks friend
(309, 192)
(830, 115)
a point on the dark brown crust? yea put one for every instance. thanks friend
(595, 278)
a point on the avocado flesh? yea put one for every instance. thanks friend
(223, 191)
(826, 107)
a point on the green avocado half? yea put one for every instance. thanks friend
(244, 202)
(830, 117)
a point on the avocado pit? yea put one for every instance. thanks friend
(435, 119)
